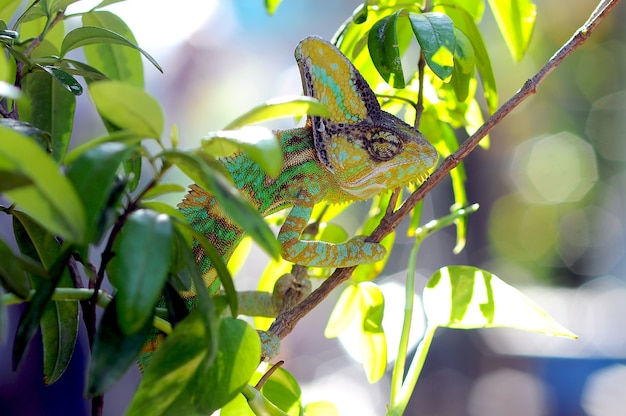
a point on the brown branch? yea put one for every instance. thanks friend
(285, 322)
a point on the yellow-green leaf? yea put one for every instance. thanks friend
(51, 199)
(516, 21)
(272, 5)
(89, 35)
(344, 312)
(321, 409)
(128, 107)
(140, 268)
(295, 106)
(117, 61)
(467, 297)
(181, 380)
(435, 34)
(283, 390)
(373, 343)
(260, 143)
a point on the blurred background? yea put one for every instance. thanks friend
(552, 218)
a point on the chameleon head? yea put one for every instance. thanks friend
(365, 149)
(370, 157)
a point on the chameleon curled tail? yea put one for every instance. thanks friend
(357, 153)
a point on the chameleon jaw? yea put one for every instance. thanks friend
(375, 183)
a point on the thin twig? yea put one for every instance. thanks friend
(285, 322)
(419, 107)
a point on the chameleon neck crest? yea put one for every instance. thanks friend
(366, 149)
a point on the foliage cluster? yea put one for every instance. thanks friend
(99, 200)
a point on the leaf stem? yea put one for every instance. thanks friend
(62, 294)
(415, 369)
(409, 291)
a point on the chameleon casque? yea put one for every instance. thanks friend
(356, 154)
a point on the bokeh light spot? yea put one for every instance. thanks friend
(521, 232)
(606, 126)
(554, 169)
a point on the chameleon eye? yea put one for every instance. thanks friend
(384, 145)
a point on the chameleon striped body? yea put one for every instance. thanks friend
(357, 153)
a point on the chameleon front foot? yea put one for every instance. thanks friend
(270, 345)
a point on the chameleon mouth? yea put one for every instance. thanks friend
(366, 186)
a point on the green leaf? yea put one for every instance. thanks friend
(51, 200)
(382, 43)
(373, 343)
(59, 332)
(283, 390)
(12, 180)
(83, 70)
(257, 404)
(11, 273)
(435, 34)
(474, 8)
(259, 143)
(113, 352)
(57, 5)
(118, 62)
(516, 21)
(4, 67)
(295, 106)
(105, 3)
(51, 43)
(27, 129)
(125, 137)
(467, 297)
(465, 23)
(272, 5)
(64, 79)
(460, 200)
(31, 317)
(132, 170)
(237, 207)
(90, 35)
(4, 322)
(139, 270)
(128, 107)
(94, 175)
(51, 109)
(59, 321)
(163, 189)
(345, 310)
(464, 66)
(180, 379)
(7, 8)
(321, 409)
(333, 233)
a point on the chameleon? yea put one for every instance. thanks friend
(360, 151)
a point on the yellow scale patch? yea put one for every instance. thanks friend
(332, 76)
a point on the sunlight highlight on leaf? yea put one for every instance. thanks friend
(467, 297)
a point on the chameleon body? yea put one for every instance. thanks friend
(357, 153)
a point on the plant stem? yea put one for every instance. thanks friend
(397, 408)
(62, 293)
(409, 292)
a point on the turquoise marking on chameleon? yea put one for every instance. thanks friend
(367, 249)
(321, 250)
(343, 156)
(322, 76)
